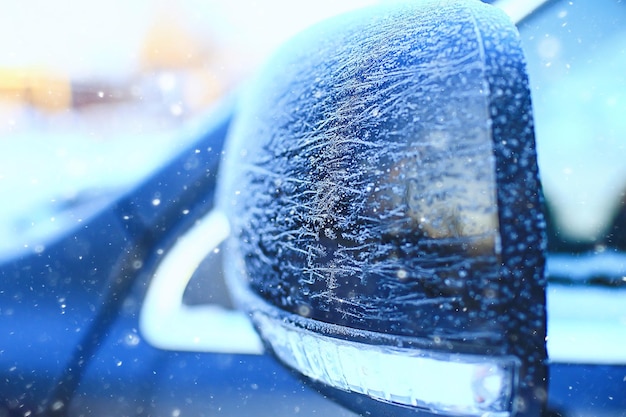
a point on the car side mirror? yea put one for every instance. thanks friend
(385, 211)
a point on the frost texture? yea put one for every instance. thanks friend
(361, 179)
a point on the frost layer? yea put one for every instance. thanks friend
(365, 180)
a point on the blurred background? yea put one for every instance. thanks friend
(96, 95)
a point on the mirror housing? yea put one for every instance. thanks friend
(387, 234)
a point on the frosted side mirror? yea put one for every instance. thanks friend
(385, 211)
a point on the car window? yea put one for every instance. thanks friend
(576, 57)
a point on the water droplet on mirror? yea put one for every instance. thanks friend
(132, 339)
(402, 274)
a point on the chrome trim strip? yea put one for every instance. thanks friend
(167, 323)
